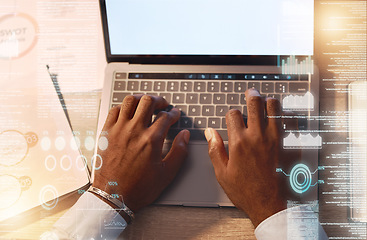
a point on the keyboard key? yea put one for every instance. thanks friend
(119, 97)
(167, 96)
(120, 75)
(224, 123)
(239, 108)
(183, 109)
(255, 85)
(281, 87)
(233, 99)
(192, 98)
(190, 76)
(216, 76)
(229, 76)
(203, 76)
(267, 87)
(194, 110)
(146, 86)
(186, 86)
(301, 87)
(205, 98)
(207, 111)
(226, 87)
(243, 99)
(114, 105)
(133, 86)
(221, 110)
(213, 86)
(172, 86)
(199, 86)
(119, 85)
(214, 122)
(240, 87)
(200, 123)
(186, 122)
(159, 86)
(219, 98)
(178, 98)
(277, 96)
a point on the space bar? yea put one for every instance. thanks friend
(195, 134)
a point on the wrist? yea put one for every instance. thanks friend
(113, 201)
(265, 211)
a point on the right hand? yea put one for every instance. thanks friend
(248, 175)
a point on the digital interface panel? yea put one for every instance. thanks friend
(335, 36)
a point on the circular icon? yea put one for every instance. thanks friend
(13, 147)
(102, 143)
(75, 143)
(94, 160)
(60, 143)
(50, 163)
(66, 158)
(300, 178)
(31, 138)
(48, 197)
(10, 191)
(89, 143)
(45, 143)
(81, 162)
(18, 35)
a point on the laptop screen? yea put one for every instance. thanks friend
(209, 27)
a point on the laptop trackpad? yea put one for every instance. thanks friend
(195, 184)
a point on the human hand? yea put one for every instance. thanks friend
(248, 175)
(132, 162)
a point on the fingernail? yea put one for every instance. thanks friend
(208, 134)
(186, 136)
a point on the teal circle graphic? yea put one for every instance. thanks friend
(300, 186)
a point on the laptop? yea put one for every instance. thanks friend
(201, 56)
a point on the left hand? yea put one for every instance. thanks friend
(133, 158)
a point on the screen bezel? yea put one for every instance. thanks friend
(184, 59)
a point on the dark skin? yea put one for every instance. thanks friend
(134, 160)
(248, 174)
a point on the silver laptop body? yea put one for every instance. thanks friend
(204, 84)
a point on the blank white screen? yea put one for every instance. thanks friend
(210, 27)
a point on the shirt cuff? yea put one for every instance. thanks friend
(293, 223)
(90, 218)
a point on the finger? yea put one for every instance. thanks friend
(175, 157)
(165, 120)
(255, 109)
(217, 151)
(235, 124)
(112, 117)
(147, 106)
(273, 109)
(128, 107)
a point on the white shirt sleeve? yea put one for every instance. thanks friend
(89, 218)
(296, 223)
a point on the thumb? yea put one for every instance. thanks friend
(217, 151)
(176, 155)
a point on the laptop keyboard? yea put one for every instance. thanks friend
(205, 98)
